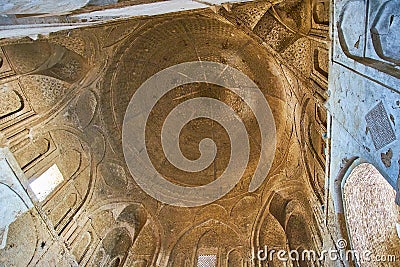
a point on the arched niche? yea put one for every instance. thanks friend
(122, 234)
(272, 236)
(207, 239)
(299, 238)
(47, 59)
(313, 126)
(371, 213)
(73, 160)
(235, 259)
(116, 245)
(285, 222)
(125, 223)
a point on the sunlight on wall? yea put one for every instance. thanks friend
(47, 182)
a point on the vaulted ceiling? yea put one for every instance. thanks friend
(65, 98)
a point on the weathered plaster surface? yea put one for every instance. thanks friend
(59, 20)
(13, 199)
(371, 213)
(359, 79)
(352, 97)
(40, 6)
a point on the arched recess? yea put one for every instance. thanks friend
(299, 238)
(119, 233)
(114, 248)
(313, 125)
(46, 74)
(371, 213)
(47, 59)
(285, 222)
(272, 236)
(74, 160)
(75, 149)
(210, 238)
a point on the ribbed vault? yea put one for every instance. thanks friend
(75, 88)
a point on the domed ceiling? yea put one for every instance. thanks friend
(72, 94)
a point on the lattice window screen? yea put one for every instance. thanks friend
(207, 261)
(380, 127)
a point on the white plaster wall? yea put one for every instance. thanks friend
(33, 29)
(40, 6)
(14, 201)
(352, 97)
(355, 88)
